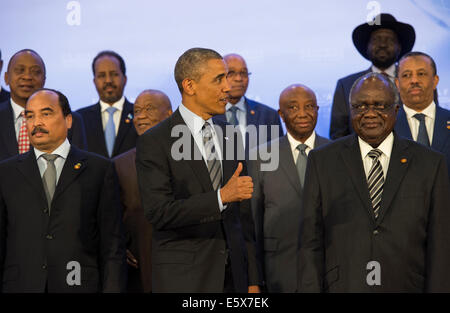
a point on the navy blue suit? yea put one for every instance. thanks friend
(257, 114)
(4, 95)
(441, 134)
(126, 136)
(8, 142)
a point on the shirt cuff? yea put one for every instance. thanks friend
(221, 205)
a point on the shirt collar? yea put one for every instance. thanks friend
(17, 109)
(62, 151)
(309, 142)
(118, 105)
(390, 70)
(430, 111)
(192, 120)
(240, 105)
(385, 146)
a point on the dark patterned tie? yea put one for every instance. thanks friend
(375, 181)
(214, 168)
(233, 120)
(422, 136)
(302, 159)
(49, 177)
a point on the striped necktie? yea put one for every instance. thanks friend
(375, 181)
(214, 168)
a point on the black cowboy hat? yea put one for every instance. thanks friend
(405, 34)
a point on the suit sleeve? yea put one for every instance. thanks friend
(112, 238)
(162, 207)
(339, 126)
(438, 249)
(311, 246)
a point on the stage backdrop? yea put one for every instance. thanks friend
(283, 41)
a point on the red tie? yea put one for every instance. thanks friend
(24, 141)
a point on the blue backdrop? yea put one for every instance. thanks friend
(283, 41)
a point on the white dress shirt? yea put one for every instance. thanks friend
(17, 110)
(62, 151)
(117, 114)
(241, 115)
(391, 71)
(294, 143)
(195, 124)
(430, 115)
(385, 147)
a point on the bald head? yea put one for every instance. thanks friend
(298, 110)
(237, 76)
(150, 108)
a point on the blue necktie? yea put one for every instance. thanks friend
(110, 130)
(422, 136)
(233, 120)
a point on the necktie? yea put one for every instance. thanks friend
(110, 130)
(214, 168)
(301, 162)
(375, 181)
(24, 140)
(422, 136)
(233, 120)
(49, 177)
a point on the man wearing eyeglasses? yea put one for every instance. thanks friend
(241, 111)
(375, 209)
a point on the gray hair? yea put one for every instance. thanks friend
(189, 64)
(379, 77)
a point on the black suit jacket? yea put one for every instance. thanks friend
(126, 136)
(190, 234)
(4, 95)
(441, 131)
(257, 114)
(8, 143)
(84, 225)
(339, 234)
(276, 205)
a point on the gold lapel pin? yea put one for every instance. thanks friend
(252, 112)
(77, 166)
(127, 121)
(403, 160)
(448, 124)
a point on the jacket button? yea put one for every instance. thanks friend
(44, 266)
(376, 232)
(49, 237)
(45, 210)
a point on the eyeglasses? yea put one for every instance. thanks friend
(243, 74)
(379, 107)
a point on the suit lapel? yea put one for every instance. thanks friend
(27, 165)
(287, 164)
(95, 128)
(124, 126)
(440, 132)
(74, 165)
(8, 129)
(351, 156)
(398, 164)
(252, 114)
(401, 125)
(198, 166)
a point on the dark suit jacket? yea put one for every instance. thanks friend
(339, 234)
(137, 227)
(341, 125)
(8, 142)
(126, 136)
(190, 234)
(84, 225)
(4, 95)
(257, 114)
(441, 132)
(276, 204)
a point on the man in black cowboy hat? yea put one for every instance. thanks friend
(383, 42)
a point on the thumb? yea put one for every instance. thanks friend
(238, 170)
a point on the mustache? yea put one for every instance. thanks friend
(109, 85)
(39, 129)
(416, 85)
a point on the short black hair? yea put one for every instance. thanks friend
(27, 50)
(422, 54)
(62, 100)
(109, 53)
